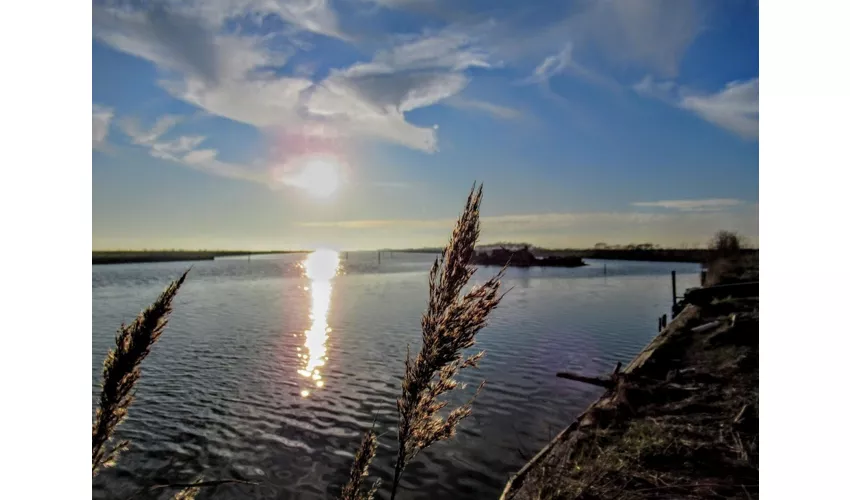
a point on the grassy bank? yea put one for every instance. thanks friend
(140, 256)
(680, 421)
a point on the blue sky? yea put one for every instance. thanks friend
(587, 121)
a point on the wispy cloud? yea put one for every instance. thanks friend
(664, 90)
(495, 110)
(563, 62)
(518, 221)
(101, 118)
(707, 205)
(138, 136)
(639, 34)
(182, 149)
(552, 65)
(559, 229)
(734, 108)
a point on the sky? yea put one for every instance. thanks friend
(362, 124)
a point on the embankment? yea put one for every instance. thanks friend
(680, 421)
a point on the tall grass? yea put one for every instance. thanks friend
(449, 326)
(121, 371)
(360, 470)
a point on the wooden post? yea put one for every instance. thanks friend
(379, 257)
(673, 279)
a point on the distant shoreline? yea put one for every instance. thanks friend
(101, 257)
(656, 255)
(149, 256)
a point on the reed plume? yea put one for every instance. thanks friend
(449, 326)
(121, 371)
(188, 493)
(360, 470)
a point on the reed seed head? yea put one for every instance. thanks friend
(449, 326)
(360, 470)
(121, 371)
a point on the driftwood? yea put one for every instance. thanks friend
(706, 327)
(606, 382)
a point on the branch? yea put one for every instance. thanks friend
(201, 484)
(606, 382)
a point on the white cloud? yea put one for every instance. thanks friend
(707, 205)
(735, 108)
(315, 16)
(552, 65)
(448, 50)
(147, 137)
(651, 34)
(101, 117)
(206, 160)
(183, 150)
(662, 90)
(180, 40)
(228, 75)
(170, 150)
(564, 62)
(152, 138)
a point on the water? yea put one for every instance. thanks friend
(271, 368)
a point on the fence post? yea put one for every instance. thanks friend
(673, 279)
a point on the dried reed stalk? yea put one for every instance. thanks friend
(360, 470)
(121, 371)
(187, 493)
(449, 326)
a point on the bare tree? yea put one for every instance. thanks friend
(725, 244)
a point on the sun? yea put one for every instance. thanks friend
(320, 177)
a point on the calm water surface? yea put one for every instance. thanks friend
(271, 368)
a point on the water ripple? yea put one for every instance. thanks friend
(221, 393)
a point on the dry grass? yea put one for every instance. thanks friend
(121, 371)
(188, 493)
(360, 470)
(449, 326)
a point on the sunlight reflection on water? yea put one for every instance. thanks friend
(320, 267)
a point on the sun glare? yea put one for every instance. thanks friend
(320, 267)
(320, 177)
